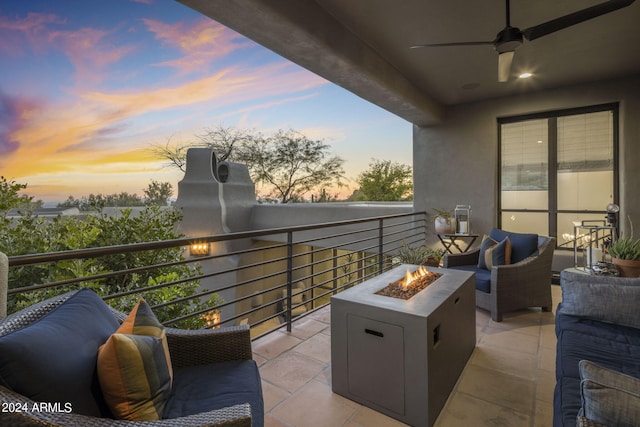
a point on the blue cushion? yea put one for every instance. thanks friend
(198, 389)
(54, 358)
(611, 346)
(483, 277)
(522, 244)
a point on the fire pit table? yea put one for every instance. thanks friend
(403, 357)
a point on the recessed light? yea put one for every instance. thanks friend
(525, 75)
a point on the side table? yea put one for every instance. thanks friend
(449, 240)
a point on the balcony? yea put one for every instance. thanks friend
(508, 380)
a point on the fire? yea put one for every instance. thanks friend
(411, 277)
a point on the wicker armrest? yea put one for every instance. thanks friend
(465, 258)
(17, 414)
(206, 346)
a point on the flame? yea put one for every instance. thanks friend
(410, 277)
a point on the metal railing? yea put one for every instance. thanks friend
(245, 268)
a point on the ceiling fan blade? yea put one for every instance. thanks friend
(452, 44)
(574, 18)
(504, 65)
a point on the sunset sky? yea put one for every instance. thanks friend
(87, 87)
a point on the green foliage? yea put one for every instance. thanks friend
(158, 193)
(418, 254)
(29, 234)
(10, 197)
(626, 247)
(293, 164)
(98, 201)
(442, 213)
(385, 181)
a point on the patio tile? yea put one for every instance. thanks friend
(508, 381)
(271, 421)
(315, 405)
(465, 410)
(493, 386)
(509, 340)
(317, 347)
(545, 385)
(543, 414)
(322, 315)
(510, 362)
(366, 417)
(273, 395)
(291, 371)
(548, 359)
(307, 327)
(272, 345)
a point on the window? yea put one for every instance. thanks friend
(557, 168)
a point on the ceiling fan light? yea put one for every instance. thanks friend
(504, 65)
(525, 75)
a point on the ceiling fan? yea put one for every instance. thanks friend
(510, 38)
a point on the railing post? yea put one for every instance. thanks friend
(380, 245)
(4, 284)
(289, 278)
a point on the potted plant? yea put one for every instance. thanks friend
(625, 255)
(444, 221)
(420, 255)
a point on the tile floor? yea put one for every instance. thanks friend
(508, 380)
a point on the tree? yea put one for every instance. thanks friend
(385, 181)
(29, 234)
(294, 164)
(158, 193)
(288, 162)
(228, 143)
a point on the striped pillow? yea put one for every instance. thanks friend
(134, 368)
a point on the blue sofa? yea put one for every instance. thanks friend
(49, 352)
(598, 351)
(521, 281)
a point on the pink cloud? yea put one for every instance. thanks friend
(200, 43)
(88, 51)
(33, 28)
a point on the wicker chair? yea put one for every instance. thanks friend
(187, 348)
(515, 286)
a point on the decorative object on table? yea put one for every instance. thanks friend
(420, 255)
(625, 254)
(591, 238)
(444, 221)
(463, 219)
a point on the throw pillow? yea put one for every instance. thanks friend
(603, 298)
(134, 367)
(53, 359)
(498, 254)
(609, 397)
(487, 242)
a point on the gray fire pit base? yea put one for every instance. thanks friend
(403, 358)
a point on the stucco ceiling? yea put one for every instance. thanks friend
(363, 45)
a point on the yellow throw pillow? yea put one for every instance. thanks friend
(134, 367)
